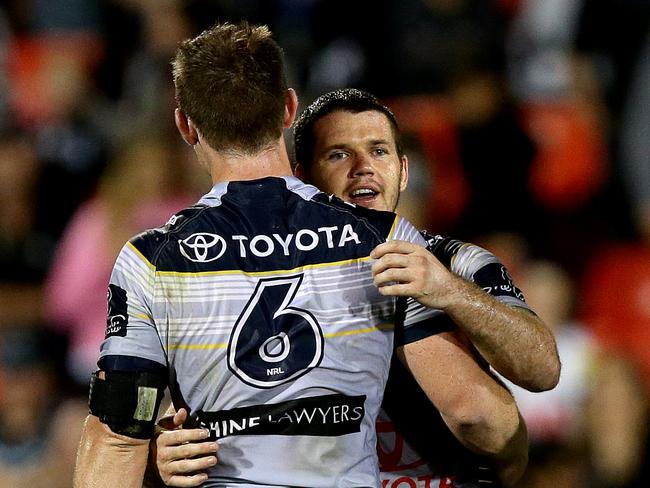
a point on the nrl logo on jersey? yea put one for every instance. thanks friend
(204, 247)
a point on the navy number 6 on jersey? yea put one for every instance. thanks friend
(272, 342)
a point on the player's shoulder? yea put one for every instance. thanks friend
(455, 253)
(442, 247)
(150, 242)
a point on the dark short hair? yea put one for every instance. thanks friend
(230, 81)
(345, 100)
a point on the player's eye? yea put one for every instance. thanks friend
(380, 151)
(336, 155)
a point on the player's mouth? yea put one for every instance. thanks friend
(364, 195)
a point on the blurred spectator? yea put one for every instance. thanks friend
(540, 48)
(496, 154)
(618, 425)
(412, 200)
(147, 94)
(512, 248)
(142, 187)
(21, 252)
(53, 98)
(430, 120)
(556, 419)
(611, 60)
(635, 142)
(615, 299)
(39, 428)
(54, 51)
(616, 286)
(431, 44)
(613, 69)
(562, 116)
(597, 394)
(25, 249)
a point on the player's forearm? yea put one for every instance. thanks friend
(108, 459)
(515, 342)
(476, 407)
(500, 435)
(486, 420)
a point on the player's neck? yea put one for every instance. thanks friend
(235, 166)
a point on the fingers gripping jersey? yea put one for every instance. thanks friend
(261, 304)
(415, 447)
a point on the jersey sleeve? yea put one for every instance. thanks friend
(414, 320)
(131, 332)
(477, 265)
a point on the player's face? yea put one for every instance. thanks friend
(355, 158)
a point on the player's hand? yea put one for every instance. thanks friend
(406, 269)
(183, 455)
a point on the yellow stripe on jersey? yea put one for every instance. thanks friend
(392, 228)
(386, 326)
(265, 273)
(218, 345)
(142, 256)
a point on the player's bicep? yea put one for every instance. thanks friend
(130, 329)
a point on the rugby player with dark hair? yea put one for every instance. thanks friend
(330, 136)
(349, 144)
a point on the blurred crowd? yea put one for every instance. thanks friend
(527, 124)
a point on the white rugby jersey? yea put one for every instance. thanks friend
(260, 303)
(416, 449)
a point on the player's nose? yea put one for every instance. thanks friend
(362, 166)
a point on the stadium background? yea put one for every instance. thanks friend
(526, 123)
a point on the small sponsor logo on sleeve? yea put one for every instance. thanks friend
(495, 280)
(118, 317)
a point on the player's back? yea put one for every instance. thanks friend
(264, 310)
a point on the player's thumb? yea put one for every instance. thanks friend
(180, 417)
(173, 422)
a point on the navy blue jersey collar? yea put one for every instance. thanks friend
(213, 197)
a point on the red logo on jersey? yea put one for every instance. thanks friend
(390, 461)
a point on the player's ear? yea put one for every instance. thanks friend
(290, 108)
(186, 127)
(404, 173)
(299, 171)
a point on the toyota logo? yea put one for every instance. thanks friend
(202, 247)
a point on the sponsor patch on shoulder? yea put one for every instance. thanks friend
(118, 317)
